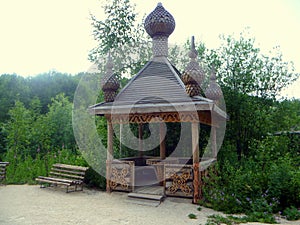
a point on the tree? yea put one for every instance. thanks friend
(59, 122)
(12, 88)
(120, 35)
(250, 82)
(17, 129)
(244, 69)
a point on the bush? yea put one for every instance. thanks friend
(259, 184)
(291, 213)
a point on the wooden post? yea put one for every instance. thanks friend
(195, 147)
(214, 142)
(162, 146)
(140, 140)
(110, 136)
(109, 154)
(195, 141)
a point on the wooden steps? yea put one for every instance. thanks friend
(149, 196)
(146, 196)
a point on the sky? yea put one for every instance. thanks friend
(42, 35)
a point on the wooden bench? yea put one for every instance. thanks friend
(66, 175)
(3, 166)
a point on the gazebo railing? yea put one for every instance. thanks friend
(177, 178)
(120, 175)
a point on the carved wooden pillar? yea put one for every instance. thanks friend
(110, 137)
(195, 147)
(162, 146)
(214, 141)
(109, 154)
(140, 140)
(195, 141)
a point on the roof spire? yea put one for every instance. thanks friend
(193, 75)
(213, 92)
(109, 83)
(159, 24)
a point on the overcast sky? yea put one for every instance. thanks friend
(41, 35)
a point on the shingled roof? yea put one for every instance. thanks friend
(158, 86)
(155, 83)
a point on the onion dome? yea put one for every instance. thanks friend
(213, 92)
(193, 75)
(109, 83)
(159, 22)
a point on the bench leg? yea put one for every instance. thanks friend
(43, 185)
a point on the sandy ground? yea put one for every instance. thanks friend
(25, 204)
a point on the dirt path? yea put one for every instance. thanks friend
(24, 204)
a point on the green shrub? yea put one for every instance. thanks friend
(291, 213)
(192, 216)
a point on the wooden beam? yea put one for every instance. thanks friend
(162, 146)
(110, 153)
(195, 148)
(214, 141)
(140, 139)
(110, 135)
(197, 184)
(195, 142)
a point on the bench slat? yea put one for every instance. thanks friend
(68, 171)
(67, 175)
(65, 166)
(56, 179)
(52, 182)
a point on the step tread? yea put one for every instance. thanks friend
(145, 196)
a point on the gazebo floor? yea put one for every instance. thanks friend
(151, 190)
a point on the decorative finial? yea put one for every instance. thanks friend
(193, 52)
(109, 64)
(159, 24)
(193, 43)
(193, 75)
(109, 83)
(213, 92)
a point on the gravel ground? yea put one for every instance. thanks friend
(29, 204)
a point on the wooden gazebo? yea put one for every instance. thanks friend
(158, 93)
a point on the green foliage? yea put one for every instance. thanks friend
(192, 216)
(217, 219)
(230, 220)
(291, 213)
(258, 185)
(12, 88)
(24, 168)
(244, 69)
(250, 82)
(120, 35)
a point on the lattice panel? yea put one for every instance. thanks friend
(179, 180)
(159, 166)
(121, 176)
